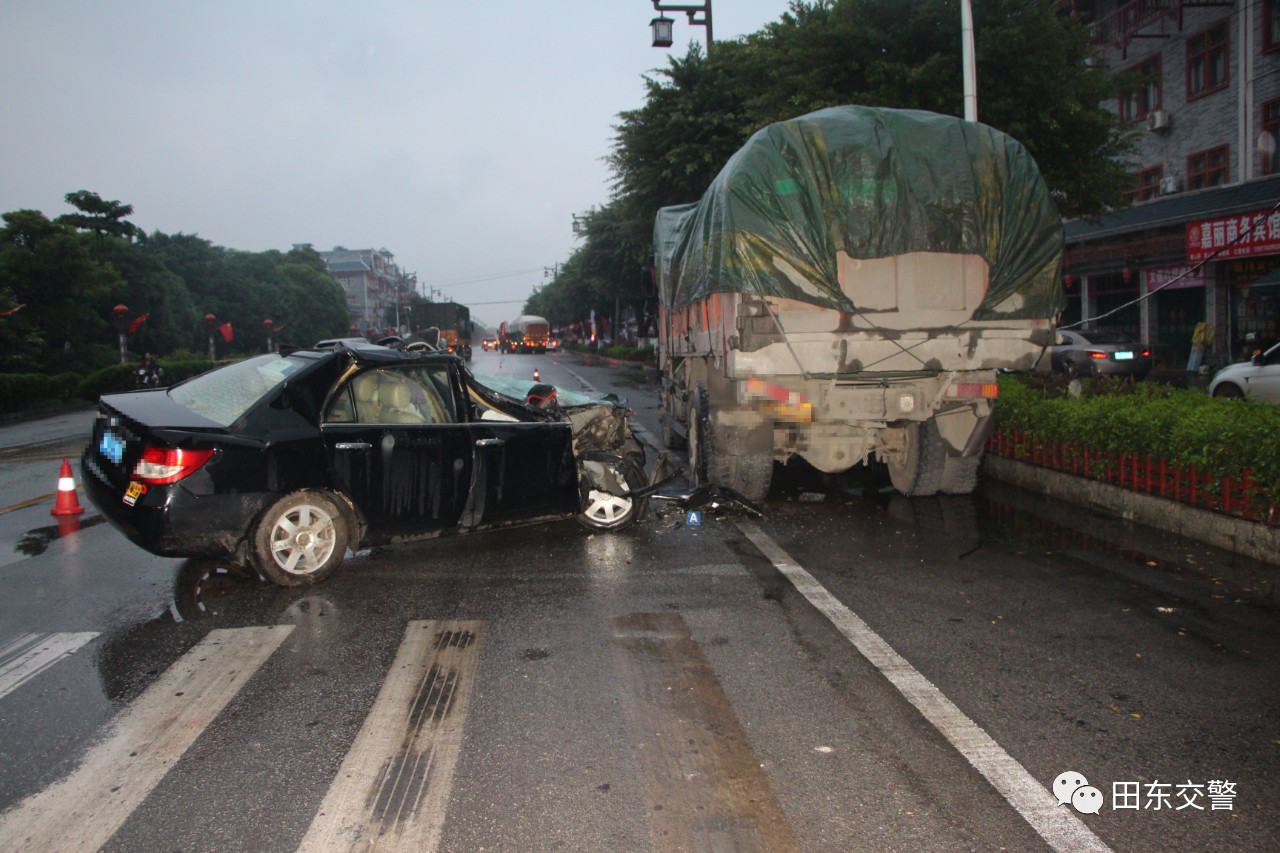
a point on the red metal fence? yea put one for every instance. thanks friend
(1150, 475)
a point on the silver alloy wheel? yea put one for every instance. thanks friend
(303, 539)
(605, 509)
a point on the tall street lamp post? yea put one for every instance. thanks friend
(662, 26)
(120, 319)
(210, 325)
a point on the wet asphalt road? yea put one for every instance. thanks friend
(855, 672)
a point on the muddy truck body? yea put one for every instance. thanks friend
(453, 321)
(846, 291)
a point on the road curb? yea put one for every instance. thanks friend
(1246, 538)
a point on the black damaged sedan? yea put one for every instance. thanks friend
(285, 461)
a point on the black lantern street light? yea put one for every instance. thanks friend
(663, 26)
(120, 320)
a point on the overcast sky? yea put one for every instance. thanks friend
(461, 136)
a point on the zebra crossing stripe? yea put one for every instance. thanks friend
(31, 654)
(392, 789)
(82, 811)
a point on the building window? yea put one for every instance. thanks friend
(1147, 97)
(1148, 184)
(1269, 143)
(1270, 24)
(1207, 61)
(1207, 169)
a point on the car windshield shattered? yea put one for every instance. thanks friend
(224, 395)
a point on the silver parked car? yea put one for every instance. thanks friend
(1258, 377)
(1096, 352)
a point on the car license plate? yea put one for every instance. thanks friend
(1124, 355)
(112, 446)
(135, 491)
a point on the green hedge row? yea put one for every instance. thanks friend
(28, 392)
(1220, 437)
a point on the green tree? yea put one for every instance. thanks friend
(99, 216)
(46, 267)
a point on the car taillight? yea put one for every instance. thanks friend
(159, 466)
(1093, 353)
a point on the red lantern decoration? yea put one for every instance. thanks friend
(1127, 275)
(1069, 280)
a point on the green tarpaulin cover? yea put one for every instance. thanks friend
(874, 183)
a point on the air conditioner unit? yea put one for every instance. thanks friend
(1169, 185)
(1157, 120)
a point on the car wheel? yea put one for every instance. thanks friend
(1228, 389)
(301, 539)
(607, 483)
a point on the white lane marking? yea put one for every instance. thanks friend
(31, 654)
(1056, 824)
(586, 386)
(82, 811)
(392, 790)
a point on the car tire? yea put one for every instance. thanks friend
(919, 470)
(1229, 390)
(300, 539)
(606, 483)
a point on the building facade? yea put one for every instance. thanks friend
(379, 294)
(1201, 242)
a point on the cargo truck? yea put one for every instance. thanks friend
(453, 321)
(527, 333)
(846, 291)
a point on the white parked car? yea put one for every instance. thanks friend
(1259, 378)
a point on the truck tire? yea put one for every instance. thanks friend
(918, 471)
(728, 458)
(960, 474)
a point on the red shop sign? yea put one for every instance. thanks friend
(1241, 236)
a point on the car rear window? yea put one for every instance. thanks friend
(225, 394)
(1108, 338)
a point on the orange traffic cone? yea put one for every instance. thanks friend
(536, 377)
(67, 502)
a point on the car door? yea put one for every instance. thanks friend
(397, 449)
(1265, 380)
(524, 471)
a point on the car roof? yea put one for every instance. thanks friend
(364, 352)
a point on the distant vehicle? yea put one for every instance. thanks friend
(1085, 352)
(526, 333)
(1258, 378)
(282, 462)
(489, 344)
(453, 321)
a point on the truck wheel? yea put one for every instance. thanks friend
(917, 471)
(728, 458)
(301, 539)
(699, 444)
(606, 483)
(960, 474)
